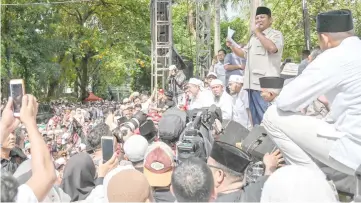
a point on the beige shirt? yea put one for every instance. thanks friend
(260, 62)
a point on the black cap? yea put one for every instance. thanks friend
(230, 156)
(263, 10)
(335, 21)
(271, 82)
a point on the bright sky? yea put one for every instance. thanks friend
(232, 12)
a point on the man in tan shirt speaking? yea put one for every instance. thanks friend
(263, 53)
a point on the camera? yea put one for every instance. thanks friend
(197, 139)
(139, 120)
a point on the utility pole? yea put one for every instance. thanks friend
(254, 5)
(306, 25)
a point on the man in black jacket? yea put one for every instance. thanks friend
(176, 80)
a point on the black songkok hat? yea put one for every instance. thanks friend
(271, 82)
(230, 156)
(263, 10)
(335, 21)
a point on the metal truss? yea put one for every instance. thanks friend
(203, 37)
(161, 31)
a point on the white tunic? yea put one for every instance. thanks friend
(336, 73)
(221, 72)
(240, 106)
(203, 99)
(226, 104)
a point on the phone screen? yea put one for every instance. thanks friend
(107, 148)
(17, 95)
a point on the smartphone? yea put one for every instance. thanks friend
(17, 91)
(108, 147)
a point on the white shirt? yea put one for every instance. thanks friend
(226, 104)
(221, 72)
(336, 73)
(240, 106)
(203, 99)
(26, 194)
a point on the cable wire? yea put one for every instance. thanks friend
(49, 3)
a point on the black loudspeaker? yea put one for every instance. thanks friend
(258, 143)
(233, 132)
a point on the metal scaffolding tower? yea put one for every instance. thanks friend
(161, 31)
(203, 38)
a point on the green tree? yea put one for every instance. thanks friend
(54, 46)
(287, 15)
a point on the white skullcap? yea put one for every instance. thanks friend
(135, 148)
(195, 81)
(236, 79)
(290, 69)
(172, 67)
(216, 82)
(126, 100)
(297, 184)
(212, 73)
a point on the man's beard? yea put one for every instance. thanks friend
(217, 98)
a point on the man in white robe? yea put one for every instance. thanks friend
(241, 113)
(222, 99)
(199, 97)
(336, 73)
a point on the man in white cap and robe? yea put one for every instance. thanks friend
(199, 97)
(241, 113)
(222, 99)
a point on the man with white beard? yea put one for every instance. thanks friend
(222, 99)
(199, 97)
(241, 113)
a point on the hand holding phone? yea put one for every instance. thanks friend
(8, 121)
(29, 110)
(104, 168)
(17, 91)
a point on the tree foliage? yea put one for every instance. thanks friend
(288, 18)
(100, 43)
(76, 45)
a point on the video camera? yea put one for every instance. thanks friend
(197, 139)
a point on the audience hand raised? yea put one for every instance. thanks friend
(29, 110)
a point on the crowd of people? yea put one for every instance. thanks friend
(310, 111)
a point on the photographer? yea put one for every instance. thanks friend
(170, 127)
(176, 79)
